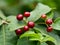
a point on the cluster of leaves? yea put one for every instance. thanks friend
(36, 36)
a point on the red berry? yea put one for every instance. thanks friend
(49, 29)
(19, 17)
(18, 31)
(26, 28)
(31, 24)
(27, 14)
(49, 21)
(43, 16)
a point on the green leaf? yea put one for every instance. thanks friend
(56, 24)
(42, 30)
(32, 36)
(14, 23)
(43, 43)
(39, 10)
(25, 41)
(49, 38)
(29, 34)
(7, 37)
(50, 15)
(12, 10)
(2, 16)
(37, 37)
(1, 22)
(57, 38)
(51, 3)
(27, 1)
(3, 4)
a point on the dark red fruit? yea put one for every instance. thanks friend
(19, 17)
(27, 14)
(43, 16)
(49, 21)
(31, 24)
(18, 31)
(49, 29)
(26, 28)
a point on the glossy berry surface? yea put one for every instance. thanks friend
(18, 31)
(49, 29)
(19, 17)
(26, 14)
(26, 28)
(43, 16)
(49, 21)
(31, 24)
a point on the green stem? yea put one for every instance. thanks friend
(3, 34)
(46, 25)
(25, 20)
(45, 22)
(40, 23)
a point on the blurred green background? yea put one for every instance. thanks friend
(14, 7)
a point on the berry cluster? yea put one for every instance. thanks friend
(20, 16)
(30, 24)
(48, 22)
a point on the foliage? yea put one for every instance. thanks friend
(36, 36)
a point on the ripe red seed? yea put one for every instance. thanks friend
(31, 24)
(27, 14)
(49, 29)
(19, 17)
(43, 16)
(18, 31)
(49, 21)
(26, 28)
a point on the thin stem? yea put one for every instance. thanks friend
(25, 20)
(40, 23)
(3, 34)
